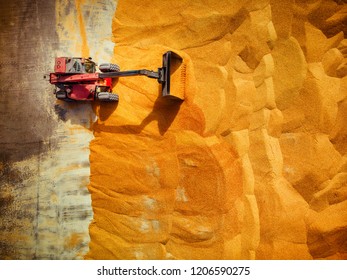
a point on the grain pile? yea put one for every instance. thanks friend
(252, 164)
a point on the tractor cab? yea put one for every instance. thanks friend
(74, 65)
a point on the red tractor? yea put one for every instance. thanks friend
(75, 78)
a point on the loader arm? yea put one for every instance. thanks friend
(163, 74)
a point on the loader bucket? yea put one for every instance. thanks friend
(174, 72)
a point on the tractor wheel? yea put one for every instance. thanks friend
(109, 67)
(108, 97)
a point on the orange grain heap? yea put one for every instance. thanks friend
(252, 165)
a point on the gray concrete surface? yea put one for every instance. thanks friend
(45, 206)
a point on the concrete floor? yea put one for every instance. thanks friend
(45, 206)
